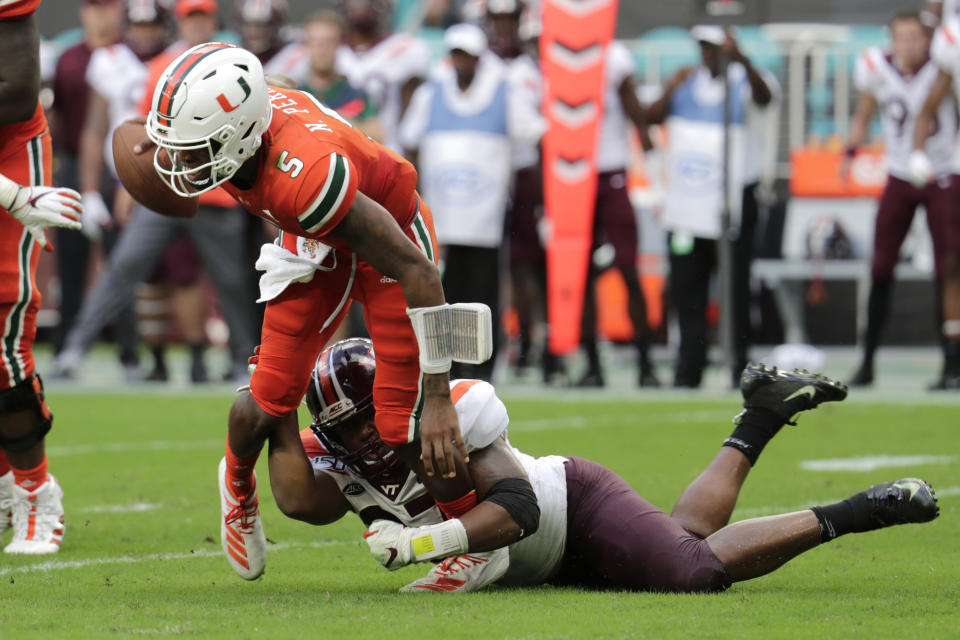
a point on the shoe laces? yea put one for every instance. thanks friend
(47, 514)
(455, 564)
(246, 515)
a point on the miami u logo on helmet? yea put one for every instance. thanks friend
(225, 102)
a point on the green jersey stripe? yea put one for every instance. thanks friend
(421, 230)
(331, 196)
(14, 328)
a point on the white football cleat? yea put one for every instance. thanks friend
(37, 518)
(241, 531)
(6, 502)
(463, 573)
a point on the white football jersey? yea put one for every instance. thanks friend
(117, 74)
(382, 70)
(900, 98)
(483, 419)
(526, 80)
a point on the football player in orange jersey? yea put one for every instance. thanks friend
(30, 498)
(349, 205)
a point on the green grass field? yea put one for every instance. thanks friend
(141, 554)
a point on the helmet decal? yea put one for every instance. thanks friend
(176, 75)
(225, 103)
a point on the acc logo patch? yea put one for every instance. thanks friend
(353, 489)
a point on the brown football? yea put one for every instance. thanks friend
(140, 178)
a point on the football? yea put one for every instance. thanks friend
(138, 176)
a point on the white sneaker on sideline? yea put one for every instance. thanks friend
(464, 573)
(37, 518)
(241, 531)
(6, 502)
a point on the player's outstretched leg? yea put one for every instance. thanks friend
(770, 399)
(752, 548)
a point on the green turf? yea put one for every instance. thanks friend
(159, 572)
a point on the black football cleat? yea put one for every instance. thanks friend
(787, 393)
(901, 502)
(591, 380)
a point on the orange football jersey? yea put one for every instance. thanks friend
(17, 9)
(313, 162)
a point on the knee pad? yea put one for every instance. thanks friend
(26, 395)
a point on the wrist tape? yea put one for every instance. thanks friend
(439, 541)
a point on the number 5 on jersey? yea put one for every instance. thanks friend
(293, 166)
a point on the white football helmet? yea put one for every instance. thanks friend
(210, 102)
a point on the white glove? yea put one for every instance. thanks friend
(39, 207)
(395, 546)
(389, 543)
(920, 169)
(96, 216)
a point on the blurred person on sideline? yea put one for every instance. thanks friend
(323, 37)
(616, 233)
(264, 30)
(102, 22)
(692, 105)
(459, 131)
(115, 78)
(216, 232)
(388, 66)
(528, 275)
(31, 498)
(923, 170)
(896, 85)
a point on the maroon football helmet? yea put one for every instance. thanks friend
(340, 399)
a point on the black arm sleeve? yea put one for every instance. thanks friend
(516, 496)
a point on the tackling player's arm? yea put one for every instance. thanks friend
(497, 520)
(300, 493)
(507, 511)
(375, 236)
(19, 70)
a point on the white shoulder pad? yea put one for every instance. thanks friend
(866, 73)
(945, 50)
(483, 416)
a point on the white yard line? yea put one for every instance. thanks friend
(119, 508)
(59, 565)
(873, 462)
(126, 447)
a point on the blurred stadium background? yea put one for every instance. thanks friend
(811, 48)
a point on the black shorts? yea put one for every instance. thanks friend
(618, 540)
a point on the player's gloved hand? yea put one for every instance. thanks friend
(40, 207)
(96, 216)
(389, 543)
(919, 168)
(394, 545)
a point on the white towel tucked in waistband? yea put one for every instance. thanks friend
(281, 267)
